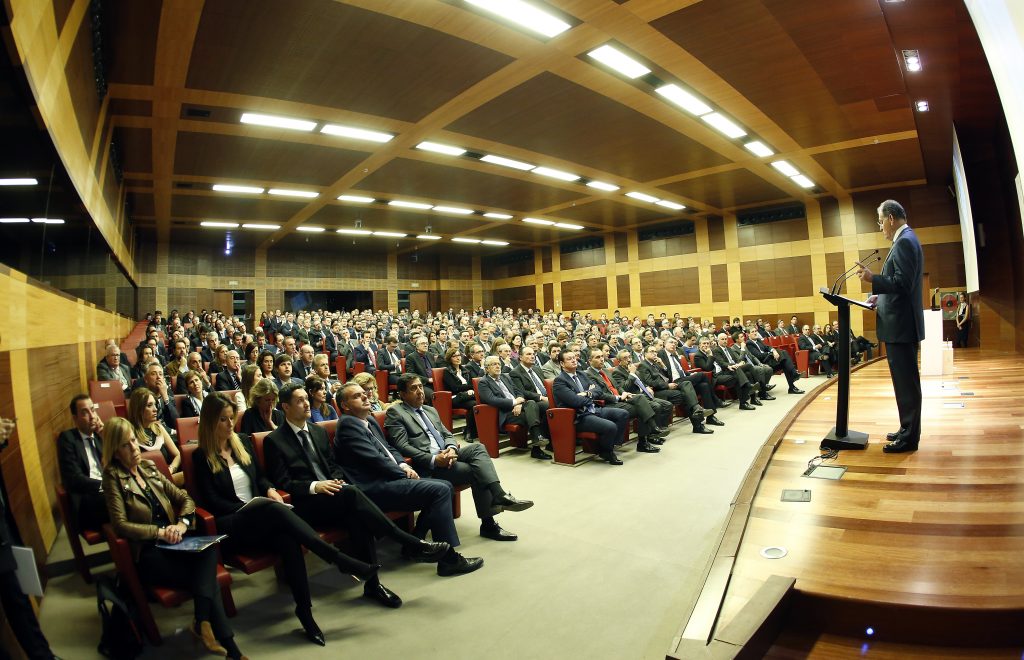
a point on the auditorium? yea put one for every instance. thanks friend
(613, 329)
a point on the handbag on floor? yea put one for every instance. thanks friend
(121, 637)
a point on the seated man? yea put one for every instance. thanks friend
(303, 366)
(166, 411)
(194, 362)
(79, 452)
(528, 380)
(496, 389)
(572, 389)
(727, 374)
(420, 363)
(111, 368)
(551, 368)
(299, 461)
(379, 471)
(390, 359)
(230, 378)
(675, 372)
(283, 371)
(760, 373)
(475, 360)
(650, 372)
(816, 349)
(366, 353)
(775, 359)
(416, 431)
(639, 407)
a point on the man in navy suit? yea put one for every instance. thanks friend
(382, 473)
(897, 295)
(79, 452)
(572, 389)
(366, 353)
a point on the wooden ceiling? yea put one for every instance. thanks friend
(822, 83)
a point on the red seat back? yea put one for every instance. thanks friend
(188, 430)
(106, 390)
(106, 411)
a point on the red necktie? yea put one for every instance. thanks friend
(609, 383)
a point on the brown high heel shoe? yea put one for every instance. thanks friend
(202, 632)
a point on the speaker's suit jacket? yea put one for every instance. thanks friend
(898, 286)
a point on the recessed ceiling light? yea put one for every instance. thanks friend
(498, 216)
(759, 148)
(354, 232)
(601, 185)
(429, 237)
(524, 14)
(441, 148)
(724, 125)
(222, 225)
(922, 106)
(803, 181)
(13, 221)
(313, 230)
(277, 122)
(643, 197)
(684, 99)
(538, 221)
(355, 198)
(309, 194)
(556, 174)
(48, 221)
(567, 225)
(912, 59)
(453, 209)
(614, 58)
(19, 182)
(409, 205)
(498, 243)
(784, 167)
(356, 133)
(259, 225)
(224, 187)
(390, 234)
(507, 162)
(459, 239)
(670, 205)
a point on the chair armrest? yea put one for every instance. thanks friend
(205, 522)
(487, 427)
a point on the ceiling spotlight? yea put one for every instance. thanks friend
(429, 237)
(784, 167)
(13, 221)
(48, 221)
(601, 185)
(922, 106)
(218, 224)
(312, 230)
(277, 122)
(441, 148)
(355, 198)
(390, 234)
(670, 205)
(912, 60)
(453, 209)
(498, 243)
(724, 125)
(459, 239)
(309, 194)
(507, 162)
(224, 187)
(567, 225)
(356, 133)
(614, 58)
(525, 15)
(802, 181)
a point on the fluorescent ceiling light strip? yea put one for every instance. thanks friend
(277, 122)
(614, 58)
(390, 234)
(538, 221)
(409, 205)
(459, 239)
(355, 198)
(315, 230)
(354, 232)
(643, 197)
(724, 125)
(802, 181)
(19, 182)
(670, 205)
(684, 99)
(429, 237)
(309, 194)
(556, 174)
(259, 225)
(525, 15)
(507, 162)
(784, 167)
(759, 148)
(13, 221)
(441, 148)
(356, 133)
(47, 221)
(223, 225)
(567, 225)
(231, 188)
(498, 243)
(498, 216)
(453, 209)
(601, 185)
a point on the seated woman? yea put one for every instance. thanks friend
(143, 356)
(195, 394)
(320, 409)
(219, 363)
(369, 385)
(460, 384)
(250, 374)
(262, 415)
(266, 362)
(150, 432)
(145, 507)
(228, 478)
(250, 354)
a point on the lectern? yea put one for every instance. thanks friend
(841, 437)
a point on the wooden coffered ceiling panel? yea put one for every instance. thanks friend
(875, 164)
(551, 115)
(727, 190)
(823, 72)
(389, 218)
(217, 206)
(333, 55)
(610, 214)
(136, 148)
(134, 26)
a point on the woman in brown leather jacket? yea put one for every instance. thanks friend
(146, 507)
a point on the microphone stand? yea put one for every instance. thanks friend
(873, 257)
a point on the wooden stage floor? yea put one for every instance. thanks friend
(939, 530)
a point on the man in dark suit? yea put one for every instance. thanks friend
(760, 373)
(675, 372)
(651, 432)
(380, 471)
(231, 377)
(650, 371)
(417, 432)
(794, 327)
(209, 351)
(303, 366)
(366, 353)
(79, 452)
(111, 368)
(572, 389)
(390, 360)
(420, 363)
(528, 380)
(496, 389)
(283, 371)
(897, 296)
(816, 349)
(727, 374)
(299, 461)
(154, 381)
(475, 361)
(775, 359)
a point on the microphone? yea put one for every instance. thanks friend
(845, 276)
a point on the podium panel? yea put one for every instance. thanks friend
(931, 347)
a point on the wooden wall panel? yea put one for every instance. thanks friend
(289, 263)
(621, 248)
(787, 277)
(275, 300)
(545, 259)
(426, 267)
(380, 299)
(716, 233)
(835, 265)
(549, 296)
(147, 298)
(456, 299)
(53, 381)
(582, 259)
(783, 231)
(944, 263)
(831, 223)
(515, 297)
(498, 268)
(622, 288)
(719, 283)
(667, 247)
(677, 286)
(591, 293)
(458, 269)
(926, 206)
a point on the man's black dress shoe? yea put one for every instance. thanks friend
(755, 402)
(724, 403)
(767, 397)
(654, 440)
(661, 431)
(646, 447)
(610, 458)
(771, 386)
(313, 632)
(703, 430)
(496, 533)
(510, 503)
(458, 565)
(714, 421)
(899, 447)
(539, 453)
(426, 552)
(891, 437)
(795, 390)
(746, 406)
(381, 594)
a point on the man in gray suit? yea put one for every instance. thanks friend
(112, 369)
(496, 389)
(897, 295)
(416, 431)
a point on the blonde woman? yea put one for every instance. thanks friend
(262, 416)
(145, 507)
(194, 394)
(369, 385)
(150, 432)
(250, 374)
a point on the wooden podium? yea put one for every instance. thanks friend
(841, 437)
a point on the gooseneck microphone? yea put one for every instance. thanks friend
(873, 257)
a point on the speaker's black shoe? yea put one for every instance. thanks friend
(703, 430)
(539, 454)
(899, 447)
(459, 565)
(313, 632)
(381, 594)
(891, 437)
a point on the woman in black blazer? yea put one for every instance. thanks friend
(458, 381)
(195, 394)
(228, 478)
(262, 416)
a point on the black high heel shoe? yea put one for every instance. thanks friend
(313, 632)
